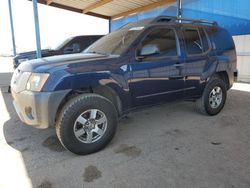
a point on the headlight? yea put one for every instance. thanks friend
(36, 81)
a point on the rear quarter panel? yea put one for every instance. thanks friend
(226, 53)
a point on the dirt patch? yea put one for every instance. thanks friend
(20, 139)
(53, 144)
(45, 184)
(91, 173)
(175, 133)
(130, 151)
(126, 120)
(24, 149)
(17, 120)
(10, 142)
(15, 140)
(228, 121)
(216, 143)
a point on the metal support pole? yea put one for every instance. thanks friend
(109, 25)
(179, 8)
(38, 41)
(12, 29)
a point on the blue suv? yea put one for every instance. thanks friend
(142, 64)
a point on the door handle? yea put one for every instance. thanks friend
(179, 65)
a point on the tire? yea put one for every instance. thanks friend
(75, 125)
(207, 103)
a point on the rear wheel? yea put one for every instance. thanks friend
(86, 124)
(213, 98)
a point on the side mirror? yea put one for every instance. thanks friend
(149, 49)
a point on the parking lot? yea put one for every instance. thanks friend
(165, 146)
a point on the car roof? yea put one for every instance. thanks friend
(176, 20)
(172, 21)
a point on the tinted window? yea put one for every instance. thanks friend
(162, 39)
(85, 42)
(60, 45)
(116, 42)
(192, 41)
(204, 40)
(95, 38)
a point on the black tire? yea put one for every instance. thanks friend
(203, 105)
(72, 110)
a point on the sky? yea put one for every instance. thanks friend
(55, 26)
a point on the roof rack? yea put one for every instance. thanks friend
(182, 20)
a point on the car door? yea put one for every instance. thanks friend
(198, 55)
(157, 71)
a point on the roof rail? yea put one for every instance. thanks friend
(181, 20)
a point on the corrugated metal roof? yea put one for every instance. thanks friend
(107, 8)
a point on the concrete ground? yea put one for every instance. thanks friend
(166, 146)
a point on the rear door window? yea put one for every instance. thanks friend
(204, 40)
(192, 41)
(196, 41)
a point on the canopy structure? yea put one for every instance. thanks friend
(108, 9)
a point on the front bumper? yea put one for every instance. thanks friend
(38, 109)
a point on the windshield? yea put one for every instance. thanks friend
(116, 42)
(58, 46)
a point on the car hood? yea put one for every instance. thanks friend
(67, 62)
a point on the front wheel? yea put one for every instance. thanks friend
(86, 124)
(213, 98)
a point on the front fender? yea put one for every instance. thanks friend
(84, 81)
